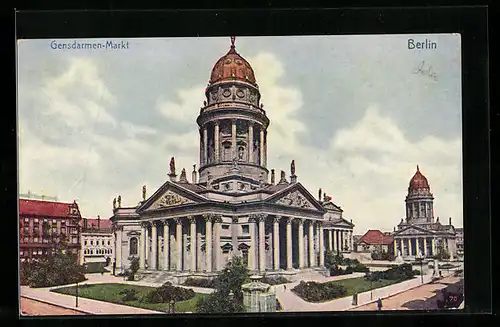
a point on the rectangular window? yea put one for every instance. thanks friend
(91, 242)
(85, 243)
(21, 253)
(36, 230)
(26, 220)
(245, 229)
(26, 229)
(63, 230)
(40, 252)
(225, 226)
(35, 240)
(75, 240)
(54, 221)
(26, 239)
(36, 220)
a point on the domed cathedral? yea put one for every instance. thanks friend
(233, 204)
(420, 234)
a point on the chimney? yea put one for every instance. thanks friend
(85, 223)
(193, 174)
(273, 177)
(98, 222)
(450, 221)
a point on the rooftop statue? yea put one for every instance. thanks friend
(172, 166)
(292, 167)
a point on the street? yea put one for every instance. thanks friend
(35, 308)
(424, 297)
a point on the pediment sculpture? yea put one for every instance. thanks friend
(295, 199)
(169, 199)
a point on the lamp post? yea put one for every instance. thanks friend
(76, 294)
(421, 259)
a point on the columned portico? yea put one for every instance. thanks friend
(192, 238)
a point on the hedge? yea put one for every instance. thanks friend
(319, 292)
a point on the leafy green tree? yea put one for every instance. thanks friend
(230, 280)
(59, 267)
(134, 268)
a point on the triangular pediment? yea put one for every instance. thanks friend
(295, 196)
(332, 206)
(170, 195)
(413, 230)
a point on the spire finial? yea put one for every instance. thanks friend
(418, 168)
(233, 38)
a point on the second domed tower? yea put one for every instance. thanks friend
(419, 201)
(233, 124)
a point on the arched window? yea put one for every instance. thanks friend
(133, 246)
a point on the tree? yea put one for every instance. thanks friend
(229, 280)
(441, 253)
(56, 268)
(134, 268)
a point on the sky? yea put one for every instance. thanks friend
(356, 113)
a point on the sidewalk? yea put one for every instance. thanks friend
(85, 305)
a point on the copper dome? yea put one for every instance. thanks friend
(418, 181)
(231, 67)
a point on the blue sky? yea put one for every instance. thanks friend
(350, 110)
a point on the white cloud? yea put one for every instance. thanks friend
(186, 110)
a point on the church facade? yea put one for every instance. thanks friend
(233, 204)
(420, 234)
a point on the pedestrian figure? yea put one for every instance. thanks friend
(440, 275)
(284, 287)
(379, 304)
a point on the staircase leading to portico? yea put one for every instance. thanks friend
(308, 274)
(158, 277)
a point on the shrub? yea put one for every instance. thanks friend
(379, 254)
(399, 273)
(128, 294)
(275, 280)
(316, 292)
(167, 292)
(416, 272)
(200, 282)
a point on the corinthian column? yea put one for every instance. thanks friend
(205, 145)
(300, 235)
(216, 141)
(166, 245)
(250, 142)
(335, 241)
(233, 139)
(289, 244)
(192, 221)
(311, 244)
(321, 246)
(208, 241)
(178, 239)
(276, 241)
(253, 245)
(261, 147)
(154, 236)
(262, 244)
(142, 246)
(217, 249)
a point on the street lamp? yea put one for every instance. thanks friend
(421, 258)
(76, 294)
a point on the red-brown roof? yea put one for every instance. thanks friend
(376, 237)
(44, 208)
(104, 225)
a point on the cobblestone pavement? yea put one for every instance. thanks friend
(35, 308)
(420, 298)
